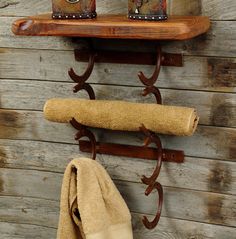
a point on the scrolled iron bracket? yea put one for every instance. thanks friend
(149, 82)
(152, 138)
(146, 222)
(84, 132)
(81, 79)
(151, 181)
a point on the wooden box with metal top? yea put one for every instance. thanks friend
(147, 9)
(73, 9)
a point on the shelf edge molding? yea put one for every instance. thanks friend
(113, 26)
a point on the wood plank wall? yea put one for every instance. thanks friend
(200, 195)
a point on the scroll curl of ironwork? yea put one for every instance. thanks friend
(149, 82)
(84, 132)
(155, 91)
(81, 79)
(158, 187)
(151, 181)
(153, 138)
(152, 80)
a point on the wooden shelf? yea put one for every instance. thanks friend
(113, 26)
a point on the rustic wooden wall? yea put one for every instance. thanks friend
(200, 195)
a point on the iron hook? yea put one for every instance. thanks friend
(152, 80)
(153, 138)
(83, 78)
(84, 132)
(158, 187)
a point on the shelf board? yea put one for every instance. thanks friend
(113, 26)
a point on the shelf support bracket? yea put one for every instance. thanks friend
(159, 154)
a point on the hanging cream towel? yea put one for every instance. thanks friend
(122, 115)
(91, 206)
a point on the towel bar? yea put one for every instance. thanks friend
(92, 56)
(83, 131)
(157, 153)
(131, 151)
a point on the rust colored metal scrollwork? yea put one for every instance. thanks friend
(151, 181)
(158, 187)
(149, 82)
(84, 132)
(153, 138)
(81, 80)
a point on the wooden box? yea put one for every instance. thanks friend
(73, 9)
(147, 9)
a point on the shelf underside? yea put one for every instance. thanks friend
(113, 26)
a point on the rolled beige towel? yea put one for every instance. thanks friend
(124, 116)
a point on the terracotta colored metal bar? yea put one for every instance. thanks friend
(150, 188)
(150, 88)
(152, 80)
(133, 151)
(81, 80)
(84, 132)
(137, 58)
(152, 138)
(87, 73)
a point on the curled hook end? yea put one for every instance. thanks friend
(72, 74)
(146, 180)
(143, 79)
(76, 137)
(75, 90)
(145, 92)
(70, 70)
(140, 74)
(147, 224)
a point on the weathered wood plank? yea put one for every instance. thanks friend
(110, 26)
(22, 209)
(208, 175)
(215, 73)
(219, 9)
(177, 7)
(208, 207)
(25, 210)
(17, 231)
(217, 109)
(209, 44)
(214, 208)
(180, 229)
(198, 73)
(208, 142)
(215, 9)
(40, 212)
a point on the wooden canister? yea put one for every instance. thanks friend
(73, 9)
(147, 9)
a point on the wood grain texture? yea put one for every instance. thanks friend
(216, 109)
(18, 224)
(113, 26)
(198, 73)
(217, 9)
(21, 230)
(36, 152)
(209, 207)
(209, 44)
(26, 210)
(207, 141)
(209, 175)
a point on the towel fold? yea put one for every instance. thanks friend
(125, 116)
(91, 206)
